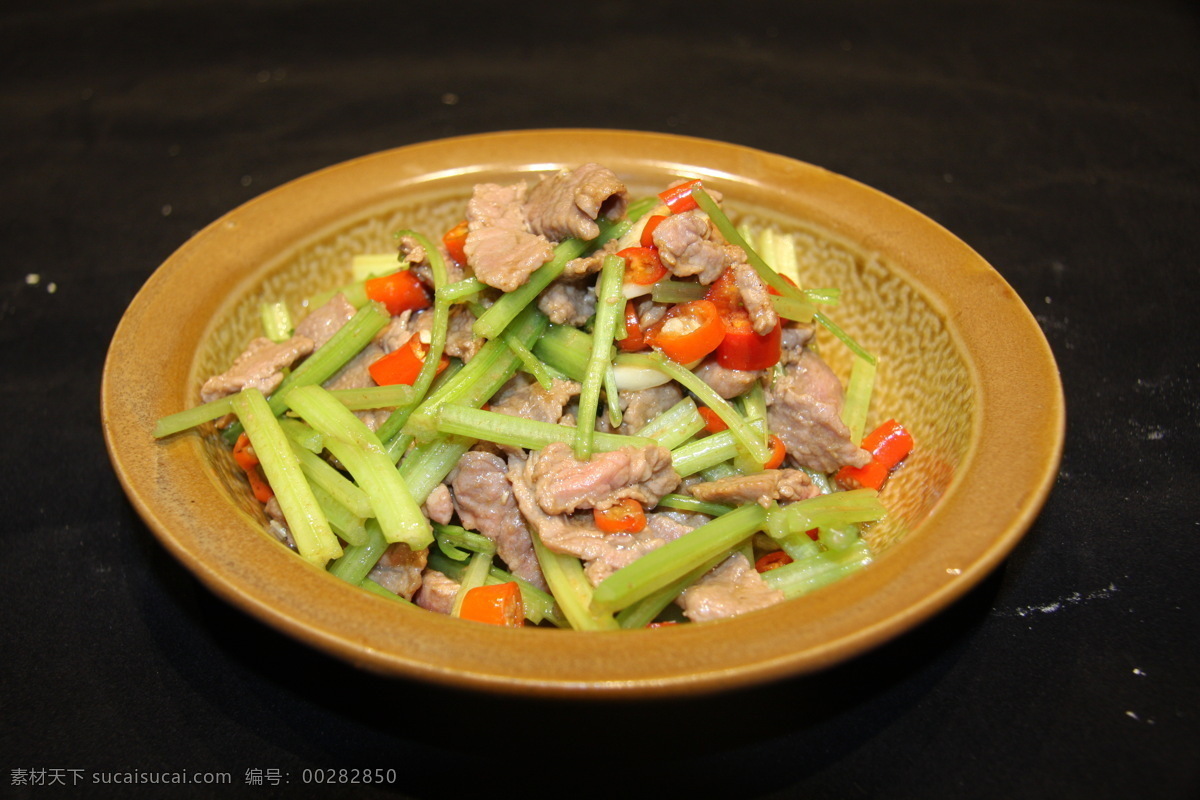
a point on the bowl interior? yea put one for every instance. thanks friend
(914, 295)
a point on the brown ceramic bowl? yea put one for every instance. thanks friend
(962, 364)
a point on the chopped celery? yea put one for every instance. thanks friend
(455, 537)
(746, 436)
(704, 453)
(358, 560)
(426, 465)
(310, 529)
(321, 473)
(570, 587)
(659, 568)
(827, 511)
(345, 523)
(371, 397)
(804, 575)
(683, 502)
(374, 588)
(371, 265)
(361, 452)
(609, 307)
(529, 361)
(674, 426)
(858, 397)
(668, 291)
(473, 577)
(456, 292)
(644, 611)
(276, 321)
(190, 418)
(492, 426)
(539, 605)
(793, 309)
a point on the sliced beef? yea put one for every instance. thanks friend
(641, 406)
(500, 247)
(439, 506)
(762, 488)
(733, 587)
(756, 298)
(326, 320)
(356, 375)
(523, 397)
(260, 367)
(437, 592)
(792, 341)
(566, 204)
(485, 503)
(728, 383)
(577, 535)
(805, 411)
(461, 341)
(689, 245)
(414, 253)
(399, 569)
(567, 303)
(592, 262)
(564, 485)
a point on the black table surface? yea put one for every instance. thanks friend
(1060, 139)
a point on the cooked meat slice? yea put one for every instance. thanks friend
(762, 488)
(805, 411)
(500, 247)
(439, 506)
(687, 245)
(461, 341)
(260, 366)
(414, 253)
(566, 204)
(356, 375)
(485, 503)
(640, 407)
(733, 587)
(326, 320)
(437, 592)
(505, 258)
(586, 265)
(399, 569)
(603, 553)
(522, 397)
(728, 383)
(567, 303)
(793, 338)
(564, 484)
(756, 298)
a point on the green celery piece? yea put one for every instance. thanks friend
(426, 465)
(373, 265)
(609, 307)
(371, 397)
(829, 510)
(358, 560)
(321, 473)
(529, 361)
(661, 567)
(276, 321)
(509, 305)
(704, 453)
(344, 522)
(457, 536)
(683, 502)
(570, 587)
(565, 349)
(676, 425)
(846, 339)
(191, 417)
(474, 576)
(492, 426)
(805, 575)
(361, 452)
(745, 435)
(310, 529)
(858, 397)
(456, 292)
(350, 339)
(677, 291)
(539, 605)
(793, 309)
(644, 611)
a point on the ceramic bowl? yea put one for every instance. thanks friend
(961, 362)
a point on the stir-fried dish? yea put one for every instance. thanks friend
(571, 409)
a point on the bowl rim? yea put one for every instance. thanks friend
(175, 493)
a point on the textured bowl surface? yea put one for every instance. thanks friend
(962, 364)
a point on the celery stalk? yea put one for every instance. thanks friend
(191, 417)
(643, 612)
(358, 560)
(858, 397)
(704, 453)
(571, 589)
(609, 306)
(361, 452)
(314, 538)
(492, 426)
(803, 576)
(674, 426)
(659, 568)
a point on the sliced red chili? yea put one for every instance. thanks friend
(688, 332)
(679, 198)
(642, 265)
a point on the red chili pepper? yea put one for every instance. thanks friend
(648, 230)
(455, 240)
(244, 455)
(724, 294)
(688, 332)
(778, 451)
(662, 623)
(403, 364)
(626, 516)
(642, 265)
(497, 604)
(888, 444)
(635, 338)
(772, 560)
(744, 349)
(679, 198)
(400, 291)
(712, 423)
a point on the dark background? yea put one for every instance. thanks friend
(1061, 139)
